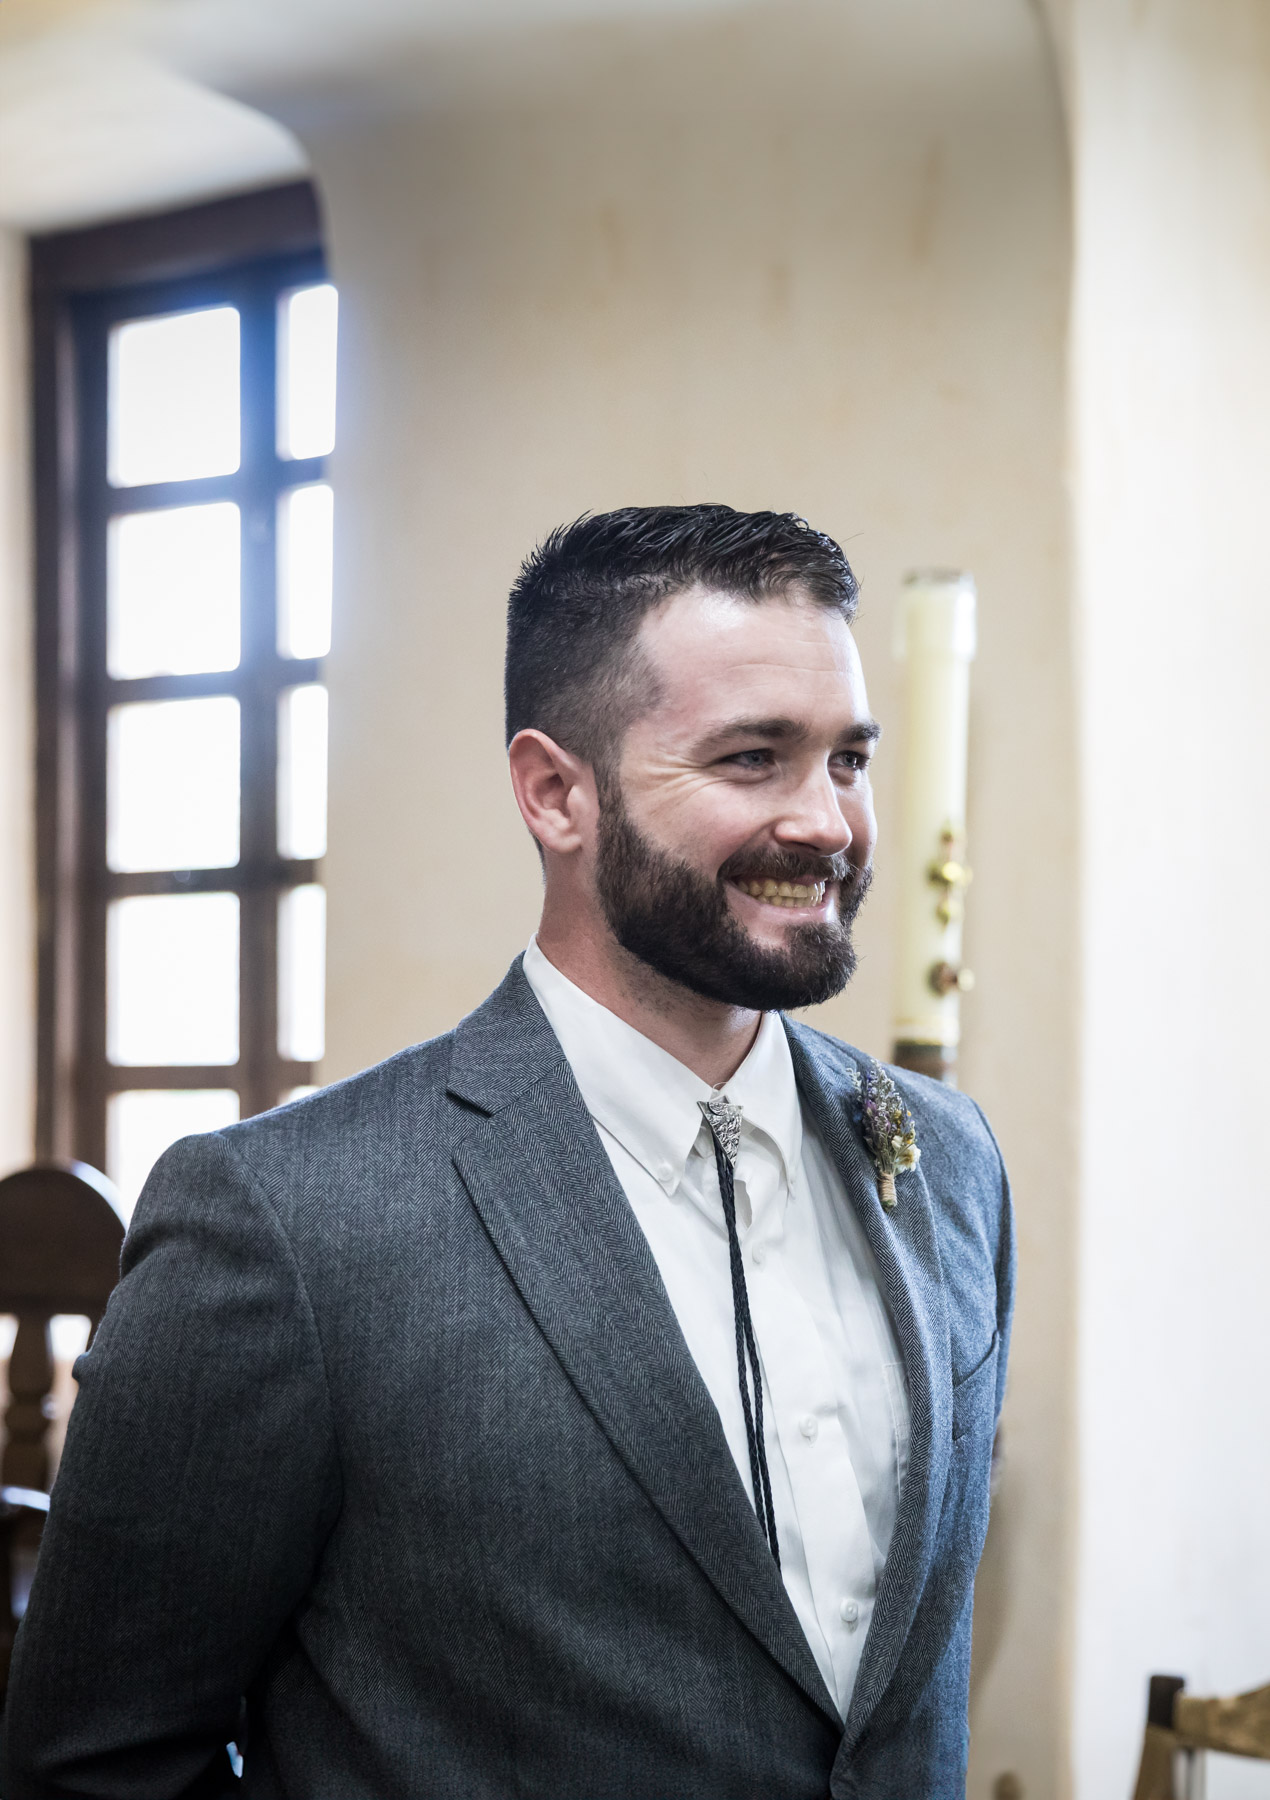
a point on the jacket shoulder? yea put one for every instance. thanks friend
(329, 1149)
(943, 1114)
(960, 1162)
(964, 1175)
(399, 1092)
(949, 1117)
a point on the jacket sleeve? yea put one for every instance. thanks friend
(197, 1486)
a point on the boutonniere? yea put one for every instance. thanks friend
(887, 1127)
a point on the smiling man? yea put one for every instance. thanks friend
(597, 1401)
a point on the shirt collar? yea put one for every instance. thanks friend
(765, 1089)
(645, 1097)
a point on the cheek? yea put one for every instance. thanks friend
(858, 811)
(706, 822)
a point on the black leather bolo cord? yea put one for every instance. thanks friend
(746, 1351)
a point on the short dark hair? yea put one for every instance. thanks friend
(581, 596)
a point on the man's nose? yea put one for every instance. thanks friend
(814, 816)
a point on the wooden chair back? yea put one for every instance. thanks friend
(60, 1235)
(1180, 1726)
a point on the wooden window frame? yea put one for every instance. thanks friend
(82, 282)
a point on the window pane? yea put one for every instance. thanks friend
(172, 784)
(172, 397)
(302, 771)
(68, 1333)
(173, 591)
(306, 371)
(305, 536)
(141, 1125)
(300, 1093)
(302, 973)
(172, 979)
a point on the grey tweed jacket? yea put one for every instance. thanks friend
(390, 1464)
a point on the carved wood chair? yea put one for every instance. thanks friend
(1180, 1724)
(60, 1234)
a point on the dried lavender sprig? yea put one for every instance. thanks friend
(888, 1130)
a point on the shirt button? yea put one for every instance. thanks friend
(850, 1614)
(808, 1427)
(758, 1255)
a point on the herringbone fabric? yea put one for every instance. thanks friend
(390, 1437)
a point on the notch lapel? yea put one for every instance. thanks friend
(540, 1179)
(906, 1253)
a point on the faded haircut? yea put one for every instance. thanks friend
(578, 602)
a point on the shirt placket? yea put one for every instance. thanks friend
(803, 1413)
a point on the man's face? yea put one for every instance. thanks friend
(735, 842)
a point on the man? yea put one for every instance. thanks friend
(598, 1400)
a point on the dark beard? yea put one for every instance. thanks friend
(680, 923)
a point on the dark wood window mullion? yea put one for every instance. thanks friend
(259, 1076)
(201, 490)
(170, 1075)
(59, 725)
(94, 501)
(211, 881)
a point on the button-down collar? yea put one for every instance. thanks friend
(646, 1098)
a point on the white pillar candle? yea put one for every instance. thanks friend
(935, 641)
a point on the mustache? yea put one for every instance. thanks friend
(788, 865)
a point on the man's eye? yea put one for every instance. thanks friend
(750, 759)
(856, 761)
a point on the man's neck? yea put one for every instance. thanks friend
(711, 1039)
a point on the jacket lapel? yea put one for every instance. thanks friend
(907, 1256)
(545, 1189)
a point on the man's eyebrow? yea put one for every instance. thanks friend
(786, 731)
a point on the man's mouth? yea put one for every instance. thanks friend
(784, 893)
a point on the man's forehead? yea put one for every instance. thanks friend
(705, 637)
(720, 665)
(703, 607)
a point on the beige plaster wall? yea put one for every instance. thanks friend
(811, 257)
(816, 255)
(17, 734)
(1171, 396)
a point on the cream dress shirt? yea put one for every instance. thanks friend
(835, 1404)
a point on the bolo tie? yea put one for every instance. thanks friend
(724, 1121)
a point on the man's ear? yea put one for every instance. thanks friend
(554, 790)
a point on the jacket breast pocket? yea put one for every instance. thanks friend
(974, 1397)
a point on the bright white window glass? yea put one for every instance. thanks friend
(302, 771)
(307, 325)
(300, 1093)
(172, 591)
(302, 973)
(306, 519)
(172, 784)
(140, 1126)
(69, 1335)
(172, 979)
(172, 397)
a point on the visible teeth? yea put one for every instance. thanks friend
(785, 893)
